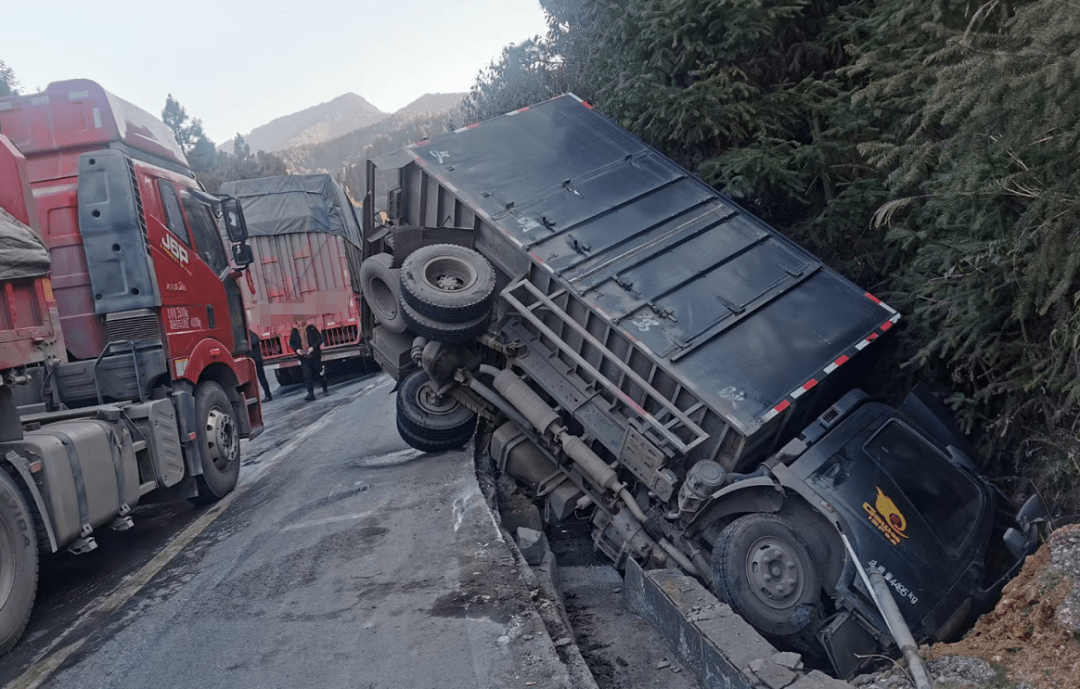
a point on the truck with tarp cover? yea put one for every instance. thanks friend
(305, 238)
(639, 350)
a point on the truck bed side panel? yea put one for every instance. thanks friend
(724, 306)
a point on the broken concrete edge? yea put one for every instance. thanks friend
(714, 643)
(548, 603)
(543, 589)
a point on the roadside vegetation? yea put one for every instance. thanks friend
(925, 149)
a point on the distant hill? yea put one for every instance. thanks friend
(344, 156)
(431, 103)
(313, 125)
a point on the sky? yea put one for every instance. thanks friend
(237, 64)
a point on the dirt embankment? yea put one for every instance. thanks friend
(1033, 634)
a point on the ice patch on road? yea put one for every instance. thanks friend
(390, 458)
(328, 520)
(513, 631)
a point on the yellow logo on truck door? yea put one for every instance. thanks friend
(174, 249)
(886, 516)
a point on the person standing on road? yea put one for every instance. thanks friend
(306, 340)
(256, 355)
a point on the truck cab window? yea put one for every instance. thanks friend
(207, 236)
(950, 501)
(174, 219)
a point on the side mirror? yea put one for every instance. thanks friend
(242, 255)
(234, 220)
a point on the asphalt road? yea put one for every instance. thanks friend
(343, 559)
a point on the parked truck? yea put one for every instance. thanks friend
(639, 350)
(305, 238)
(123, 369)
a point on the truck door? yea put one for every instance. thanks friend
(208, 243)
(188, 263)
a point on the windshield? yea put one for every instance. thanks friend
(949, 501)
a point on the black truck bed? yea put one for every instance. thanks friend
(724, 304)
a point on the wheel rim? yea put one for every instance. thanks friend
(383, 298)
(448, 274)
(775, 572)
(221, 437)
(431, 403)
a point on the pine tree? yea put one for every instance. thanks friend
(9, 85)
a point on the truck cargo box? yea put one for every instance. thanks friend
(305, 238)
(29, 321)
(687, 314)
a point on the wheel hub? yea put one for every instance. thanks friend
(449, 274)
(432, 403)
(221, 437)
(774, 573)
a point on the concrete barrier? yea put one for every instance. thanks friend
(720, 648)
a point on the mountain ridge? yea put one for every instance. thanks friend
(333, 119)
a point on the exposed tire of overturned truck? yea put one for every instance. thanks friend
(634, 346)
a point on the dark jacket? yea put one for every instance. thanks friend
(254, 352)
(314, 339)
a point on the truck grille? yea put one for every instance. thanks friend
(270, 347)
(136, 328)
(340, 335)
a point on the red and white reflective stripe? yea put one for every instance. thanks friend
(582, 101)
(836, 364)
(776, 410)
(869, 338)
(798, 392)
(518, 110)
(880, 303)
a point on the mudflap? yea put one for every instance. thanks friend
(187, 422)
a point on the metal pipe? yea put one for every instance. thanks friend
(898, 628)
(900, 631)
(631, 504)
(497, 401)
(518, 393)
(588, 460)
(678, 557)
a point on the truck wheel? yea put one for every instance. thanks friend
(448, 283)
(442, 331)
(425, 445)
(763, 570)
(381, 291)
(219, 434)
(18, 563)
(283, 376)
(428, 422)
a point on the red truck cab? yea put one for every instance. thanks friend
(147, 294)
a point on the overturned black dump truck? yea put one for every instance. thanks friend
(636, 347)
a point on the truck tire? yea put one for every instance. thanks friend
(442, 331)
(381, 288)
(763, 570)
(18, 563)
(219, 434)
(448, 283)
(424, 445)
(431, 423)
(284, 377)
